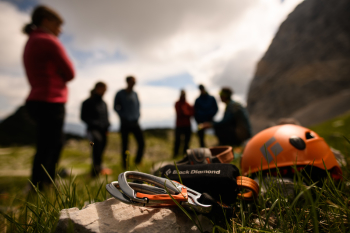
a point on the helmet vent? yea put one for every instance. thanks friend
(309, 135)
(297, 142)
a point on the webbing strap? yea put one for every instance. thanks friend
(223, 153)
(217, 154)
(247, 183)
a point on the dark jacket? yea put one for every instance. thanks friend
(127, 105)
(236, 119)
(95, 114)
(205, 108)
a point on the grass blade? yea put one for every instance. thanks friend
(301, 193)
(270, 211)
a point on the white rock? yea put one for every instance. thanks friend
(339, 157)
(285, 185)
(114, 216)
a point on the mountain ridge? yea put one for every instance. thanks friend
(308, 61)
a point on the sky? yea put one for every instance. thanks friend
(167, 45)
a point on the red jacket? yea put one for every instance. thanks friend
(48, 67)
(184, 111)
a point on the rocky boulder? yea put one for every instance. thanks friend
(305, 72)
(114, 216)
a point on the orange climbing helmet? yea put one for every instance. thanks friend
(285, 146)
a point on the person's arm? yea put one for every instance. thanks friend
(245, 117)
(60, 58)
(86, 115)
(118, 104)
(84, 112)
(138, 105)
(107, 118)
(195, 110)
(187, 110)
(214, 107)
(191, 110)
(178, 109)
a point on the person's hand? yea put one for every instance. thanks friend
(205, 125)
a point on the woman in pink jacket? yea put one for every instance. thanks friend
(48, 69)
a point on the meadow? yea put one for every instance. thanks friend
(317, 208)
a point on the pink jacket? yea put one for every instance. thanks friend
(48, 68)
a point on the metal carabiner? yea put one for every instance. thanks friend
(177, 192)
(192, 201)
(115, 190)
(184, 195)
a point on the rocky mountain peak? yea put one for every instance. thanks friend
(305, 72)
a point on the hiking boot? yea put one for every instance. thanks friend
(97, 170)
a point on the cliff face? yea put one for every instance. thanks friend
(305, 73)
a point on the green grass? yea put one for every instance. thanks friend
(76, 157)
(314, 209)
(334, 131)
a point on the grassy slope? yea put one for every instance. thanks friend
(16, 162)
(15, 165)
(334, 131)
(322, 212)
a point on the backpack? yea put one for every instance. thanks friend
(242, 126)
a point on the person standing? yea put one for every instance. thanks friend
(127, 105)
(184, 112)
(234, 128)
(205, 108)
(95, 114)
(48, 69)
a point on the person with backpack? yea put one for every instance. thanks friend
(234, 128)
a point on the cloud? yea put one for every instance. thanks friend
(252, 38)
(12, 40)
(154, 29)
(217, 43)
(238, 71)
(13, 91)
(175, 81)
(13, 86)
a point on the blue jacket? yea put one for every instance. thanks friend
(205, 108)
(127, 106)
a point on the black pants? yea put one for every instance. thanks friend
(49, 118)
(134, 128)
(99, 138)
(182, 132)
(200, 134)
